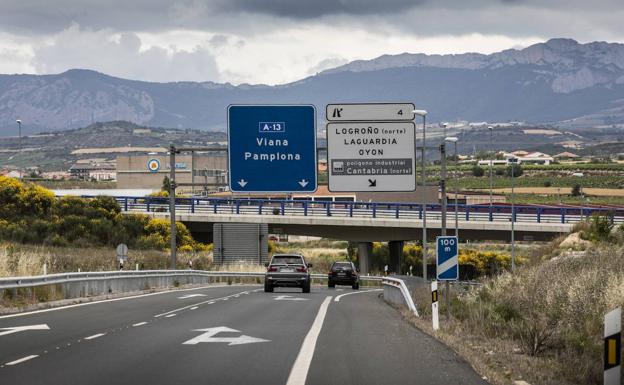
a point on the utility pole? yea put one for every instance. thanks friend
(172, 216)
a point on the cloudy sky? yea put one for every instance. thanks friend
(276, 41)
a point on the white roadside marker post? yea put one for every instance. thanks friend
(434, 305)
(613, 347)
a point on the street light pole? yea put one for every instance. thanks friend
(423, 113)
(513, 216)
(456, 175)
(19, 145)
(491, 162)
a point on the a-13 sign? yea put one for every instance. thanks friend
(272, 148)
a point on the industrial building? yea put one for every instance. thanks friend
(148, 171)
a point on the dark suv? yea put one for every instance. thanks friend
(343, 273)
(287, 270)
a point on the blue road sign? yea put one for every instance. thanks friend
(272, 148)
(446, 258)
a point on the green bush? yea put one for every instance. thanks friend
(478, 171)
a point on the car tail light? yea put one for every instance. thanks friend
(302, 269)
(271, 268)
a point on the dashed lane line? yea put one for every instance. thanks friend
(95, 336)
(337, 299)
(197, 304)
(170, 315)
(107, 300)
(22, 360)
(139, 324)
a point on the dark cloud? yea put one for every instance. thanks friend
(305, 9)
(425, 17)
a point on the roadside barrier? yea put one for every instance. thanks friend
(86, 284)
(396, 292)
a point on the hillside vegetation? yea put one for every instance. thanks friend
(32, 214)
(544, 322)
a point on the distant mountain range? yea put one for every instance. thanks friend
(559, 82)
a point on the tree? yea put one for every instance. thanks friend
(478, 171)
(517, 170)
(166, 184)
(576, 190)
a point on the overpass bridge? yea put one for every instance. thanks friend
(370, 221)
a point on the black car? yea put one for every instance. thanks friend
(343, 273)
(287, 270)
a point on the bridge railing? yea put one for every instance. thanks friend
(396, 210)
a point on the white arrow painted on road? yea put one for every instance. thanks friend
(209, 336)
(303, 182)
(17, 329)
(242, 182)
(191, 296)
(289, 298)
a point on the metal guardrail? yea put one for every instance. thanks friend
(397, 210)
(53, 279)
(399, 284)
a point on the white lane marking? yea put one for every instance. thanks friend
(16, 329)
(337, 299)
(139, 324)
(289, 298)
(299, 371)
(195, 304)
(22, 360)
(194, 308)
(170, 315)
(209, 336)
(95, 336)
(108, 300)
(191, 296)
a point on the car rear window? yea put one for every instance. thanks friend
(287, 260)
(341, 266)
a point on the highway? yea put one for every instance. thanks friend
(226, 335)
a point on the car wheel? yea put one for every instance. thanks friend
(356, 286)
(268, 288)
(306, 287)
(330, 284)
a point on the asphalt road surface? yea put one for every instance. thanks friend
(226, 335)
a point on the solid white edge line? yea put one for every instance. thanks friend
(139, 324)
(22, 360)
(299, 371)
(95, 336)
(170, 315)
(106, 300)
(337, 299)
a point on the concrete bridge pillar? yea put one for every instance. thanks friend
(396, 255)
(365, 249)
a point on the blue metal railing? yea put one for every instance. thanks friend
(396, 210)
